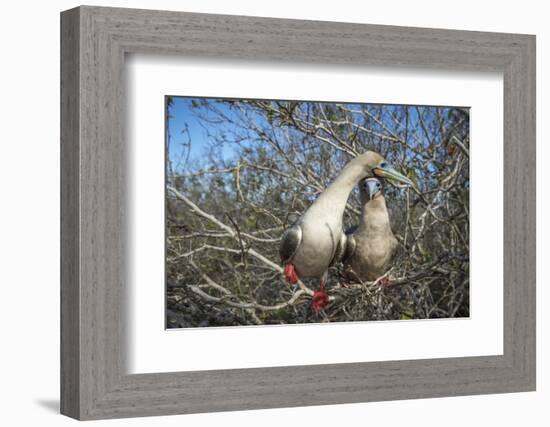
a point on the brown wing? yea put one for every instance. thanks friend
(339, 252)
(350, 246)
(290, 242)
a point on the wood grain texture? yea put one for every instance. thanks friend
(94, 272)
(70, 314)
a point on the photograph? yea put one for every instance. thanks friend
(291, 212)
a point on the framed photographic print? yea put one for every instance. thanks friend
(262, 213)
(266, 172)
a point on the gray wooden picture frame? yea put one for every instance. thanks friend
(94, 41)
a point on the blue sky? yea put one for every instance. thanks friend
(185, 125)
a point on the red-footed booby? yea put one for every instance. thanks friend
(316, 241)
(371, 245)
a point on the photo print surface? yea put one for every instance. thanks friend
(290, 212)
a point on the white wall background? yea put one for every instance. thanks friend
(29, 212)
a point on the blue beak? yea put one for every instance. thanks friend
(390, 173)
(372, 188)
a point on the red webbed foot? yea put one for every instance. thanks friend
(319, 300)
(290, 273)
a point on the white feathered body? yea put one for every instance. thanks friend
(322, 239)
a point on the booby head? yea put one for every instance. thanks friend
(370, 188)
(376, 166)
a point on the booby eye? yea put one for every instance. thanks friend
(383, 164)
